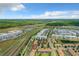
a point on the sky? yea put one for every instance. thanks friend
(39, 10)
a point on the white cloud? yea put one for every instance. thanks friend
(71, 14)
(54, 13)
(11, 6)
(57, 15)
(18, 7)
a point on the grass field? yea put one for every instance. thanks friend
(5, 45)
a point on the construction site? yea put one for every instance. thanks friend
(40, 41)
(54, 42)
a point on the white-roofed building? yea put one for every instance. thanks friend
(10, 35)
(42, 34)
(65, 34)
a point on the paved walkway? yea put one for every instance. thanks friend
(32, 52)
(53, 52)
